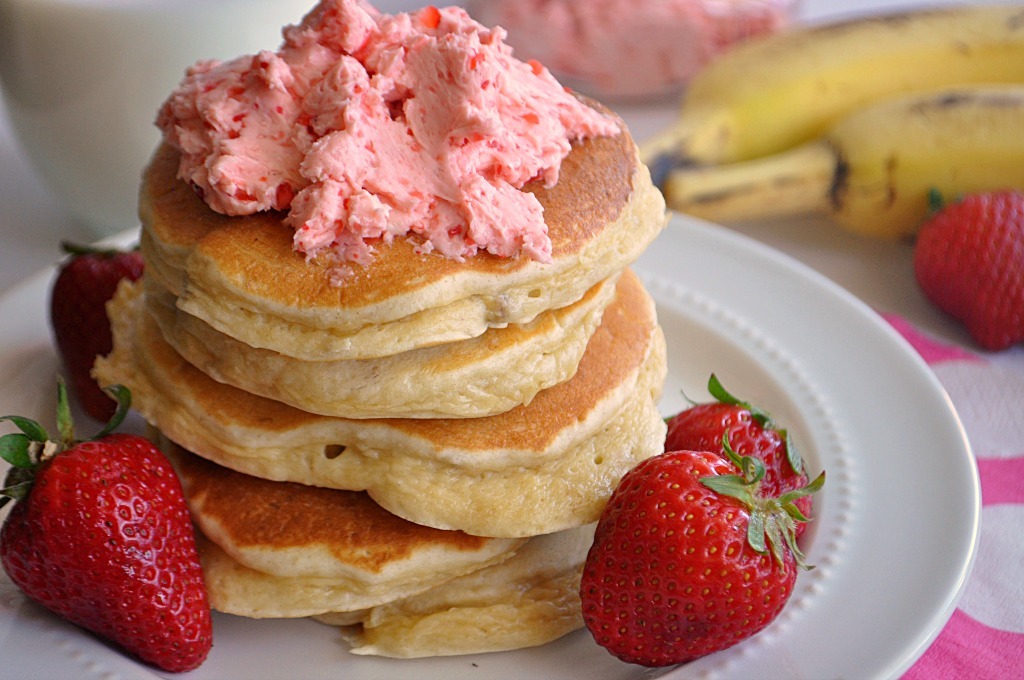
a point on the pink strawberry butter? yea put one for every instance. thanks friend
(631, 49)
(365, 126)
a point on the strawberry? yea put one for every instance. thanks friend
(78, 316)
(750, 431)
(688, 559)
(101, 536)
(969, 261)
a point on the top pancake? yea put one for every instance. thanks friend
(242, 276)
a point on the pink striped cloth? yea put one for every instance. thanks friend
(985, 637)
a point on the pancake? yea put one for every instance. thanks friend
(284, 550)
(241, 276)
(529, 599)
(339, 549)
(535, 469)
(485, 375)
(525, 601)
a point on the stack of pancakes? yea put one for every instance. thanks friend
(417, 454)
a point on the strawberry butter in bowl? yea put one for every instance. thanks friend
(630, 49)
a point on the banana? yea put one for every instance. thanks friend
(873, 170)
(771, 93)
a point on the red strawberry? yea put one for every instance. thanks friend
(680, 566)
(969, 261)
(750, 432)
(78, 316)
(101, 536)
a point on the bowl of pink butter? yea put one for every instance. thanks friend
(629, 49)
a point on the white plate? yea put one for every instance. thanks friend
(897, 521)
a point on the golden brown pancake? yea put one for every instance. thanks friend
(277, 549)
(348, 552)
(538, 468)
(481, 376)
(528, 600)
(241, 276)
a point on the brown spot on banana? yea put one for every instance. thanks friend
(840, 178)
(964, 98)
(892, 165)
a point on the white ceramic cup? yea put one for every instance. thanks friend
(83, 80)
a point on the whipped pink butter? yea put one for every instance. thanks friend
(367, 127)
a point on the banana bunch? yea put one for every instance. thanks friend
(778, 99)
(768, 94)
(873, 170)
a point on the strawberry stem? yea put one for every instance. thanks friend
(65, 424)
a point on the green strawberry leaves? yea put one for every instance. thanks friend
(21, 450)
(763, 418)
(26, 450)
(78, 249)
(30, 428)
(14, 448)
(123, 396)
(718, 391)
(772, 520)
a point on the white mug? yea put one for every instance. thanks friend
(83, 80)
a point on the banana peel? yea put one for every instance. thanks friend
(775, 92)
(873, 170)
